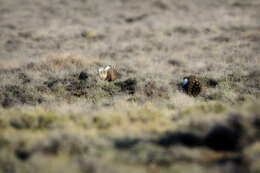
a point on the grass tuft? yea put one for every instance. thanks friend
(214, 107)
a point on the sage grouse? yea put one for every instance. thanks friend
(108, 73)
(192, 85)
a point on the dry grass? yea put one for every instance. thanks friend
(56, 113)
(133, 133)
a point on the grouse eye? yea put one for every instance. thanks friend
(185, 82)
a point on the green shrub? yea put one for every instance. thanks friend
(33, 121)
(207, 107)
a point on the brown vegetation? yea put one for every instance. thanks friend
(57, 115)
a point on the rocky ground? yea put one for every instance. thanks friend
(57, 115)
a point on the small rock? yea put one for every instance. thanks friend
(83, 76)
(128, 86)
(22, 155)
(212, 83)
